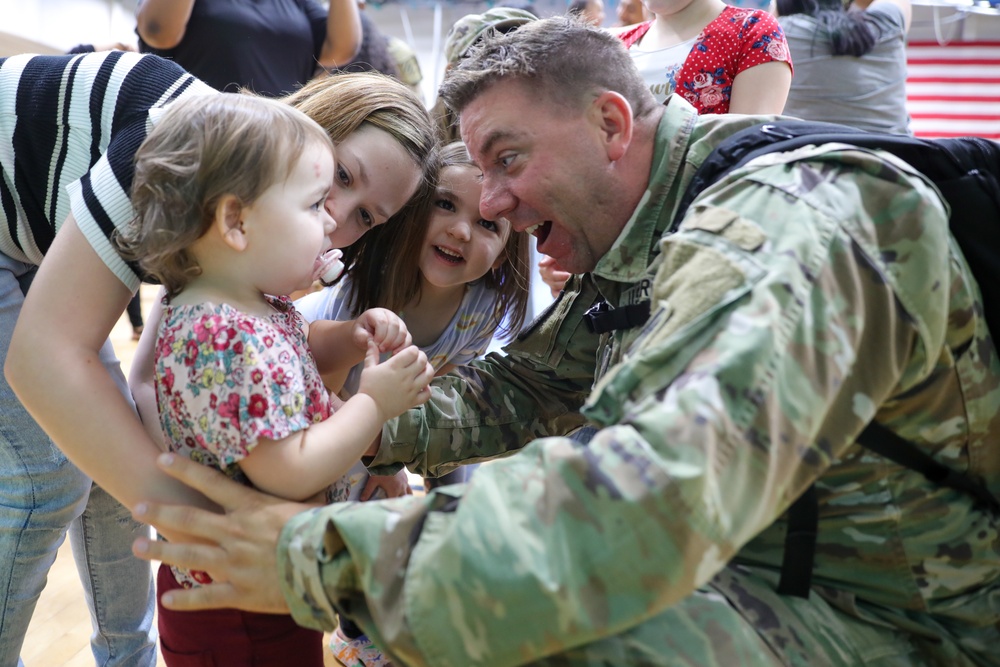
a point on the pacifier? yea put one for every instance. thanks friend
(332, 266)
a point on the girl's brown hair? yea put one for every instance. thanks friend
(387, 274)
(203, 149)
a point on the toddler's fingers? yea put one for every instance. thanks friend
(407, 356)
(423, 396)
(372, 355)
(376, 325)
(396, 336)
(424, 366)
(405, 340)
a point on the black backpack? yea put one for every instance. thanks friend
(967, 172)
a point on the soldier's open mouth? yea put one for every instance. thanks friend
(540, 231)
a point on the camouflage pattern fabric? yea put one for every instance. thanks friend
(803, 296)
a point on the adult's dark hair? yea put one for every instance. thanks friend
(577, 7)
(848, 32)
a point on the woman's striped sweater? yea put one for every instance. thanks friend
(69, 130)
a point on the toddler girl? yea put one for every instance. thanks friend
(230, 193)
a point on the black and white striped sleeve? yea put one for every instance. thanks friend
(69, 130)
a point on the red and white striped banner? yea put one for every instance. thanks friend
(954, 90)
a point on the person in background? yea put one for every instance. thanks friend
(806, 295)
(591, 11)
(386, 54)
(631, 12)
(407, 63)
(850, 63)
(373, 56)
(463, 35)
(271, 47)
(456, 280)
(237, 371)
(720, 58)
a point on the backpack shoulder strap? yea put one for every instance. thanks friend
(882, 441)
(747, 144)
(787, 135)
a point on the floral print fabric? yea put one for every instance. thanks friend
(736, 40)
(225, 379)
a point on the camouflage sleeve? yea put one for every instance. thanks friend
(743, 385)
(495, 405)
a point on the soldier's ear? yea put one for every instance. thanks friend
(613, 116)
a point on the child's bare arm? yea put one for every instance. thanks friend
(140, 379)
(332, 345)
(339, 346)
(306, 462)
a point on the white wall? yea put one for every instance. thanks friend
(57, 25)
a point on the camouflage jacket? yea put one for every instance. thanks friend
(803, 296)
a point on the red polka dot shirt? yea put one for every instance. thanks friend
(736, 40)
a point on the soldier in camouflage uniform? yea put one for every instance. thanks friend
(802, 297)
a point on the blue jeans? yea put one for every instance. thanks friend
(42, 495)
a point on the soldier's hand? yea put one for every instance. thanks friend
(386, 486)
(238, 548)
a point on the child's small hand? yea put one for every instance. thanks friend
(382, 326)
(399, 383)
(552, 275)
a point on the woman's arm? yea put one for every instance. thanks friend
(54, 368)
(162, 23)
(343, 34)
(140, 378)
(306, 462)
(761, 89)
